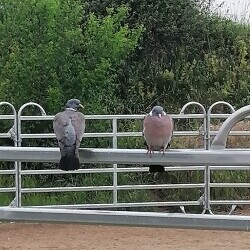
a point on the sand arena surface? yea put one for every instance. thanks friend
(36, 236)
(27, 236)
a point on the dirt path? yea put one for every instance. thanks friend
(25, 236)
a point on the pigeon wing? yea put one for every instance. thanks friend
(78, 121)
(60, 123)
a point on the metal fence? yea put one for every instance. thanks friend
(205, 133)
(127, 218)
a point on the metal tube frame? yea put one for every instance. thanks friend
(205, 141)
(115, 170)
(14, 137)
(207, 172)
(19, 144)
(114, 142)
(115, 134)
(126, 218)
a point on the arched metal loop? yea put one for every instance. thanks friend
(13, 129)
(31, 104)
(10, 105)
(192, 103)
(209, 116)
(20, 113)
(219, 103)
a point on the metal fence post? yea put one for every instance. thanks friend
(19, 144)
(115, 193)
(207, 168)
(18, 174)
(202, 199)
(207, 197)
(14, 136)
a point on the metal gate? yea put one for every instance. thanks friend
(205, 133)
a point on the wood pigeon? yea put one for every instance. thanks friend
(69, 127)
(157, 130)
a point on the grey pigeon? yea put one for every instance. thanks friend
(157, 130)
(69, 127)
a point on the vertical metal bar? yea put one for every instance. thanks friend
(207, 173)
(207, 167)
(205, 198)
(18, 181)
(19, 144)
(18, 166)
(15, 138)
(16, 162)
(115, 193)
(207, 207)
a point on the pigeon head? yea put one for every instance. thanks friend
(73, 104)
(157, 111)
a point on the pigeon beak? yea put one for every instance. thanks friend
(159, 115)
(81, 106)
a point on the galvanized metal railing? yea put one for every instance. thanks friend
(127, 218)
(205, 200)
(115, 134)
(11, 134)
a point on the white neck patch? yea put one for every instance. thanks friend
(71, 109)
(151, 113)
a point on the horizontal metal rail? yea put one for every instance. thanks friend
(106, 170)
(224, 116)
(66, 189)
(219, 116)
(230, 168)
(125, 134)
(230, 202)
(7, 117)
(7, 172)
(233, 185)
(174, 157)
(118, 134)
(125, 205)
(127, 218)
(110, 117)
(109, 188)
(160, 186)
(121, 170)
(233, 133)
(7, 190)
(120, 117)
(5, 135)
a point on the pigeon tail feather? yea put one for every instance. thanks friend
(69, 161)
(156, 169)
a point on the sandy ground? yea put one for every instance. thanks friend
(31, 236)
(26, 236)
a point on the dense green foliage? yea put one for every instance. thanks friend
(185, 54)
(48, 56)
(121, 57)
